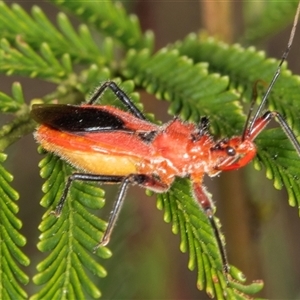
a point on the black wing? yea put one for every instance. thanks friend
(76, 118)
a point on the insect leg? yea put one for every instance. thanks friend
(120, 94)
(114, 213)
(252, 103)
(142, 180)
(83, 177)
(207, 206)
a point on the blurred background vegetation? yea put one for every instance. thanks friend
(147, 263)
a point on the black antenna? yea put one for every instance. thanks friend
(276, 75)
(254, 96)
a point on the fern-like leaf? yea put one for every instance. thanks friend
(14, 103)
(70, 238)
(197, 238)
(80, 45)
(192, 91)
(265, 18)
(111, 19)
(197, 76)
(11, 276)
(11, 132)
(26, 61)
(281, 162)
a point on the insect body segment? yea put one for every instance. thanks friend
(113, 146)
(95, 151)
(110, 145)
(171, 150)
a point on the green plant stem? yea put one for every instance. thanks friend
(16, 129)
(23, 124)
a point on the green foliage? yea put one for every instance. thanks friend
(266, 18)
(16, 23)
(111, 20)
(173, 77)
(14, 103)
(195, 231)
(12, 277)
(69, 238)
(198, 76)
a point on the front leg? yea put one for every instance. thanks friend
(207, 206)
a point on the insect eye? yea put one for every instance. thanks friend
(230, 151)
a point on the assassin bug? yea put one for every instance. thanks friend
(113, 146)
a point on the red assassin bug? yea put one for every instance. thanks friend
(114, 146)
